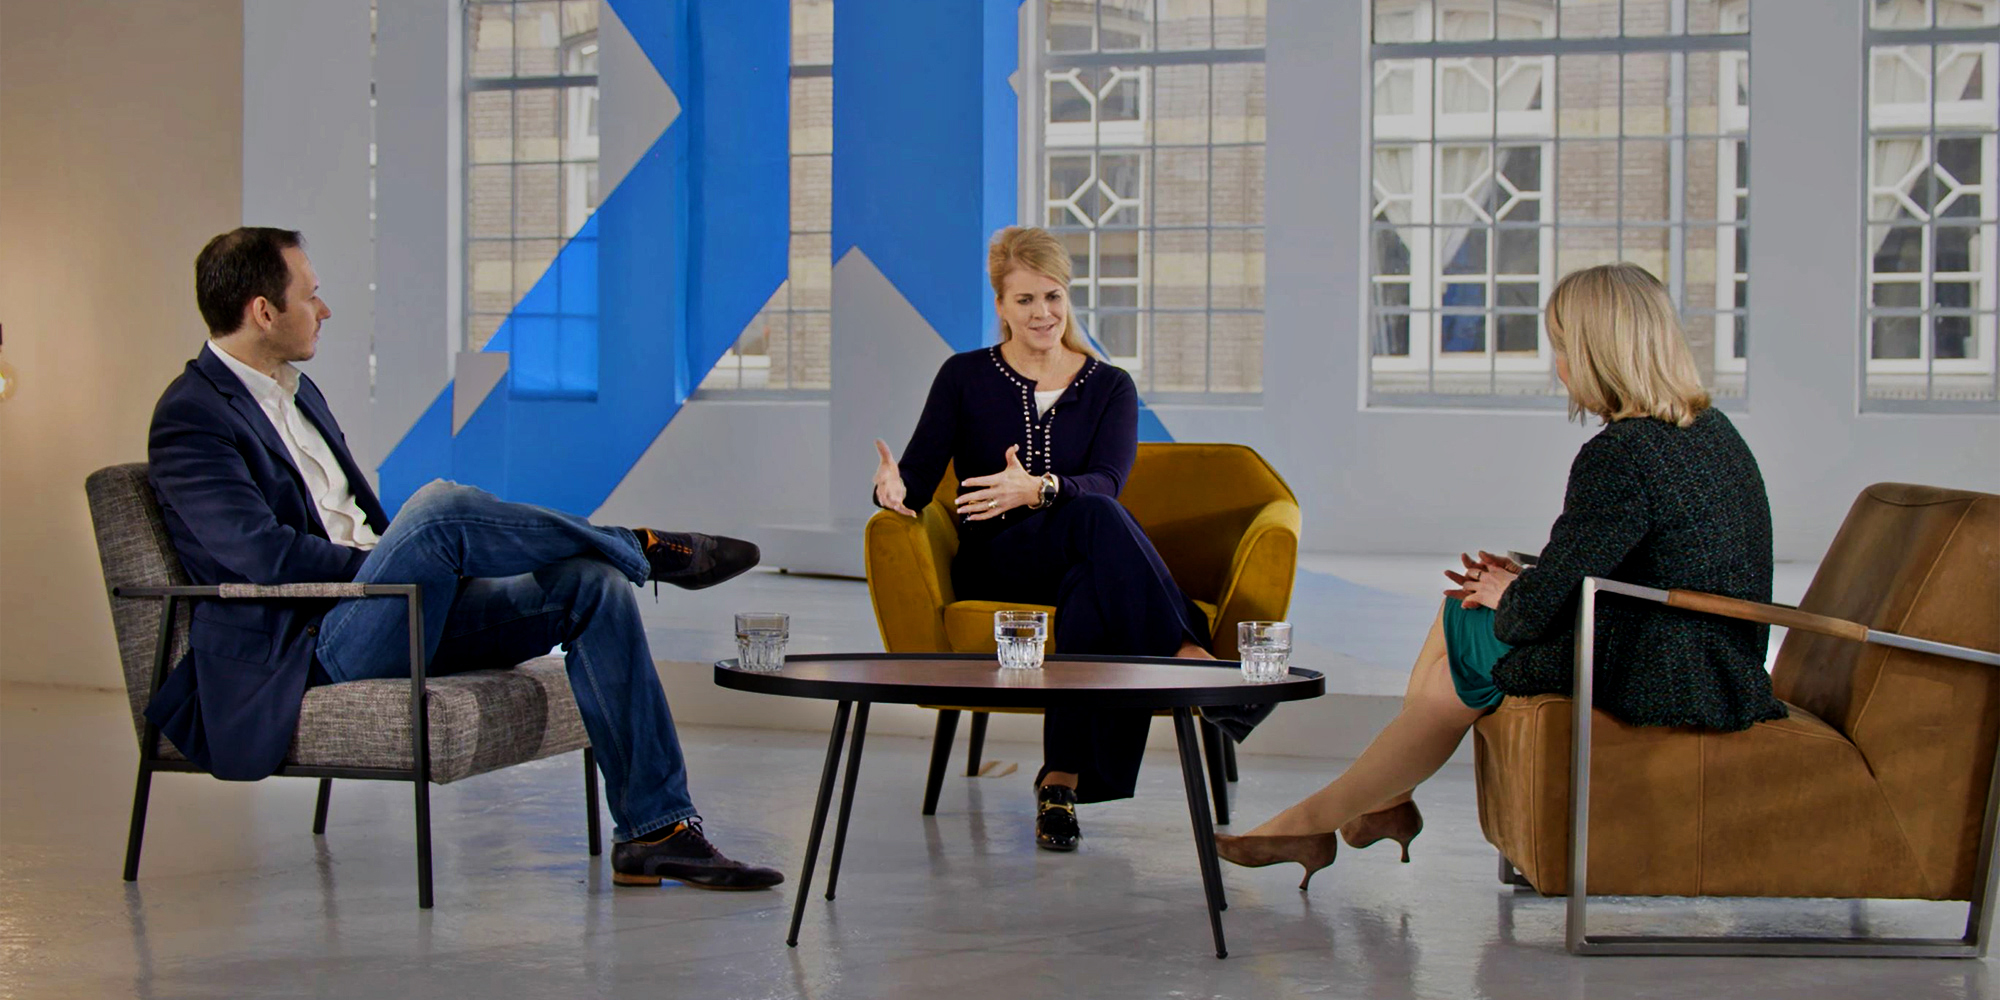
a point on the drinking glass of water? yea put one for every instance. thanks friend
(1020, 635)
(760, 640)
(1266, 649)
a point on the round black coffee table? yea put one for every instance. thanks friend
(974, 680)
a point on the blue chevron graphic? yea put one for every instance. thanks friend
(656, 286)
(926, 154)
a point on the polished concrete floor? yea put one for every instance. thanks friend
(237, 899)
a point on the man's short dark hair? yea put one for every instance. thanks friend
(237, 267)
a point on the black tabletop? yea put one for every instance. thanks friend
(975, 680)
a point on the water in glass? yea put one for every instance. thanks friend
(1020, 636)
(1266, 650)
(760, 641)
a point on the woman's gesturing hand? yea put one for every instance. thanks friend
(1000, 492)
(889, 488)
(1483, 581)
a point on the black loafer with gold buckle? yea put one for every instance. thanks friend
(1055, 819)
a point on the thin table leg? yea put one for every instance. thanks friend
(819, 819)
(847, 796)
(1204, 832)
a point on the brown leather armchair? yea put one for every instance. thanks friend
(1880, 784)
(1223, 521)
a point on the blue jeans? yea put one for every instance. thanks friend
(505, 582)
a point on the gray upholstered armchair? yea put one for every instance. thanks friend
(459, 726)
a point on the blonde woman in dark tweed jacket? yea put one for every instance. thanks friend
(1667, 495)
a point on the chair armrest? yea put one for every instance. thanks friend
(1791, 617)
(908, 584)
(1259, 585)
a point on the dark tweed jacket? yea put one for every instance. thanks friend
(1660, 506)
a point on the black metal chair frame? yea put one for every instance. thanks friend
(1217, 749)
(418, 774)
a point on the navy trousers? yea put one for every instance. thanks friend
(1112, 596)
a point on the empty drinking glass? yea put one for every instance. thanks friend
(760, 640)
(1020, 635)
(1266, 649)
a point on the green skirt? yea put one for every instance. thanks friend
(1472, 650)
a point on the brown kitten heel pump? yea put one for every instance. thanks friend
(1312, 852)
(1400, 823)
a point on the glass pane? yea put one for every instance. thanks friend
(1180, 105)
(579, 196)
(1125, 26)
(1957, 176)
(1072, 25)
(1519, 295)
(1396, 88)
(1712, 17)
(1178, 355)
(492, 275)
(1180, 187)
(1464, 96)
(1967, 13)
(812, 193)
(1239, 102)
(1522, 79)
(1650, 247)
(538, 125)
(1180, 269)
(1649, 181)
(1585, 246)
(812, 32)
(1518, 251)
(1898, 295)
(812, 350)
(1647, 17)
(1645, 86)
(812, 116)
(1462, 334)
(537, 39)
(1393, 249)
(1184, 24)
(1236, 352)
(1239, 24)
(1527, 19)
(489, 202)
(1587, 181)
(1069, 97)
(1896, 337)
(1951, 338)
(1900, 13)
(1237, 281)
(1464, 20)
(1118, 254)
(1118, 333)
(1899, 181)
(1899, 78)
(1590, 18)
(1518, 333)
(1400, 21)
(531, 260)
(492, 126)
(1587, 95)
(490, 28)
(811, 271)
(1238, 186)
(1955, 249)
(1952, 294)
(1392, 336)
(1961, 85)
(537, 200)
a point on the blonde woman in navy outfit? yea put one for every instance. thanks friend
(1043, 433)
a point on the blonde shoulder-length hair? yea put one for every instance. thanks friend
(1037, 250)
(1615, 325)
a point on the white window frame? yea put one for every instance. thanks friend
(1913, 120)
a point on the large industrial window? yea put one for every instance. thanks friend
(1928, 337)
(1151, 170)
(530, 155)
(788, 345)
(1516, 140)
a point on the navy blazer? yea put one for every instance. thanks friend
(238, 511)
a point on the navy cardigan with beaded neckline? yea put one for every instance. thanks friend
(979, 406)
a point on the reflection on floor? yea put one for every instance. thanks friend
(236, 898)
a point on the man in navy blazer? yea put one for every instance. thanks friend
(257, 485)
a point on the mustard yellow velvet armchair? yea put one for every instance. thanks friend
(1220, 516)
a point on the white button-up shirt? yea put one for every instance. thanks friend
(345, 522)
